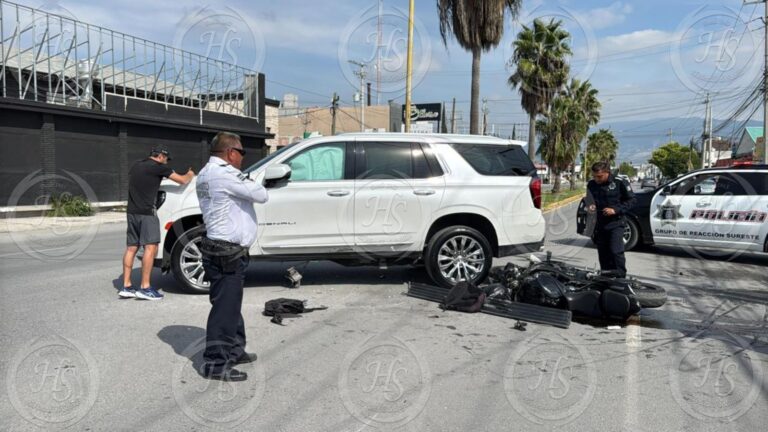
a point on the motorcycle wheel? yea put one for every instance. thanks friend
(649, 295)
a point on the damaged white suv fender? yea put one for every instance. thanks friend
(451, 202)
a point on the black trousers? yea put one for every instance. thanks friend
(610, 247)
(225, 333)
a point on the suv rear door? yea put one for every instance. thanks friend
(398, 186)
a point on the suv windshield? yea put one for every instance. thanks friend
(261, 162)
(496, 160)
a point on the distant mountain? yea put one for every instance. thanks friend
(638, 138)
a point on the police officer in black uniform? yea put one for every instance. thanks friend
(608, 199)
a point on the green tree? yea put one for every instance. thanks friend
(560, 129)
(541, 69)
(477, 26)
(584, 96)
(626, 168)
(672, 159)
(601, 146)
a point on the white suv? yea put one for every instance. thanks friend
(451, 202)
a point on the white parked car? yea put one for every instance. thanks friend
(449, 202)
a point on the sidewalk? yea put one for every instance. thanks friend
(45, 223)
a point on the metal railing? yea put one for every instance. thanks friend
(55, 59)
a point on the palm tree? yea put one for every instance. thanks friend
(601, 146)
(585, 97)
(541, 69)
(559, 130)
(477, 25)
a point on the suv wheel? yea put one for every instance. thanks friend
(187, 262)
(458, 253)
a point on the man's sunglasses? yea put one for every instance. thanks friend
(241, 151)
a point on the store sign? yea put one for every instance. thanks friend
(425, 112)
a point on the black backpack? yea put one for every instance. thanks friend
(464, 297)
(283, 307)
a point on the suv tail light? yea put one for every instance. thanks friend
(535, 188)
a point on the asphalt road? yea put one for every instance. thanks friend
(75, 357)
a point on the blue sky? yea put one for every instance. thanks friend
(649, 59)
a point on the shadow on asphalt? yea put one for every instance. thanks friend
(261, 274)
(186, 341)
(752, 258)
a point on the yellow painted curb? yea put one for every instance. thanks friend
(563, 203)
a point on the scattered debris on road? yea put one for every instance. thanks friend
(284, 308)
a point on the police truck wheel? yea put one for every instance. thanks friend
(187, 262)
(631, 235)
(458, 253)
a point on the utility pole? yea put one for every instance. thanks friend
(453, 116)
(334, 108)
(705, 134)
(409, 68)
(709, 141)
(485, 116)
(305, 121)
(765, 78)
(361, 73)
(378, 54)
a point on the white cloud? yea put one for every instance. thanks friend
(609, 16)
(636, 40)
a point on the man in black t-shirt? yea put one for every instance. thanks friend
(143, 226)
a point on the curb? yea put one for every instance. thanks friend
(556, 205)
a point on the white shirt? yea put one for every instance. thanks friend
(226, 197)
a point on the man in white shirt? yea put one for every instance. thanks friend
(226, 197)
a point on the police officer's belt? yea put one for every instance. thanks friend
(222, 248)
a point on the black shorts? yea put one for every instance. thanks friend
(142, 230)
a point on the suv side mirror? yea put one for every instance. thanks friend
(666, 190)
(276, 173)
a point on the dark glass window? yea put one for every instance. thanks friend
(496, 160)
(386, 160)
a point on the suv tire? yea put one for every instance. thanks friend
(183, 258)
(454, 248)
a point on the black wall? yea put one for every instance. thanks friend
(49, 142)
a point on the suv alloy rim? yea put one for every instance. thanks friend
(192, 264)
(460, 258)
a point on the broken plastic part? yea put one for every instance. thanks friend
(294, 277)
(502, 308)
